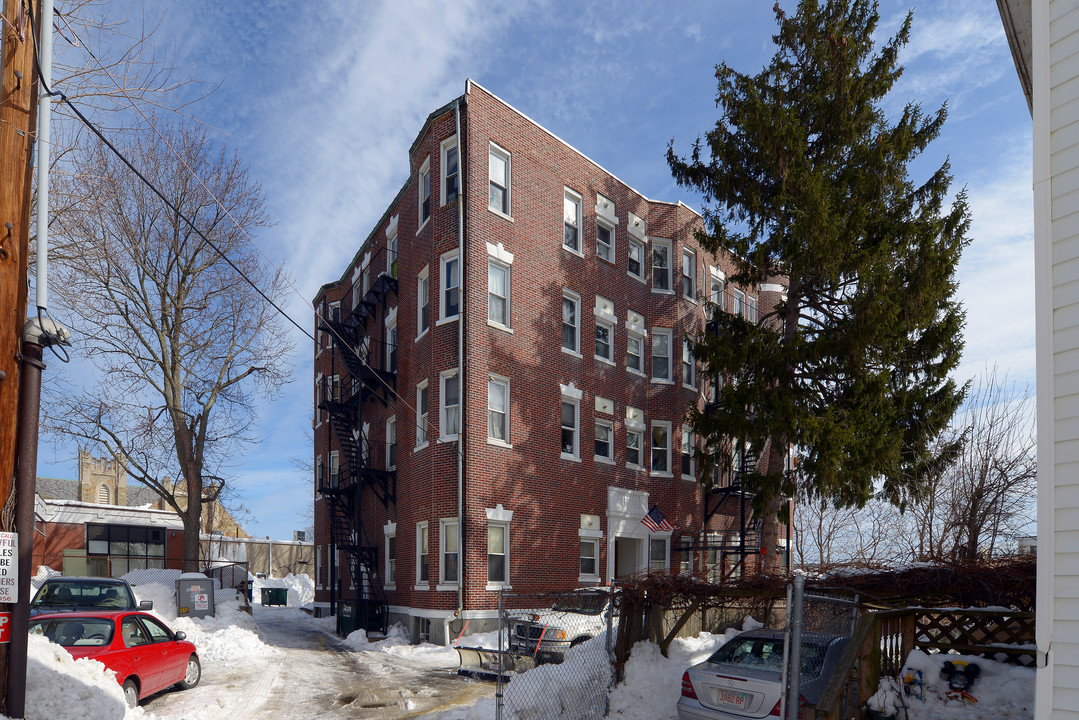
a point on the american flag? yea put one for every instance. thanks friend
(656, 521)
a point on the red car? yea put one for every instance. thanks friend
(147, 656)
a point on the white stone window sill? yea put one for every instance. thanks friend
(571, 251)
(635, 372)
(448, 587)
(424, 586)
(662, 292)
(499, 213)
(495, 587)
(446, 320)
(571, 458)
(690, 387)
(499, 326)
(423, 225)
(421, 336)
(603, 460)
(661, 474)
(661, 381)
(442, 439)
(389, 587)
(419, 447)
(606, 361)
(574, 353)
(499, 443)
(588, 579)
(638, 278)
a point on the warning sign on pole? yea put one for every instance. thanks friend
(9, 567)
(5, 628)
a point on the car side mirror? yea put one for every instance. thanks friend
(180, 635)
(146, 605)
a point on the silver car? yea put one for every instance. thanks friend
(742, 678)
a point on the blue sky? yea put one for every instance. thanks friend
(323, 100)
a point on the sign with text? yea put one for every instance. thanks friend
(5, 627)
(9, 567)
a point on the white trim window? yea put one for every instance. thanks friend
(661, 266)
(498, 410)
(635, 353)
(604, 441)
(424, 188)
(661, 355)
(604, 341)
(716, 288)
(391, 252)
(571, 423)
(335, 469)
(571, 221)
(634, 438)
(751, 309)
(450, 294)
(318, 567)
(390, 531)
(661, 448)
(391, 442)
(498, 553)
(635, 249)
(658, 559)
(571, 322)
(605, 241)
(422, 409)
(449, 405)
(423, 301)
(689, 462)
(450, 162)
(689, 274)
(423, 558)
(589, 559)
(391, 341)
(498, 293)
(498, 171)
(689, 366)
(739, 303)
(449, 572)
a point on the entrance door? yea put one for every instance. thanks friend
(627, 553)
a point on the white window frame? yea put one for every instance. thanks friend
(391, 442)
(494, 265)
(609, 327)
(576, 300)
(605, 252)
(571, 396)
(421, 530)
(659, 245)
(639, 245)
(503, 382)
(448, 259)
(639, 339)
(335, 469)
(717, 288)
(391, 354)
(639, 434)
(389, 530)
(318, 400)
(654, 563)
(391, 252)
(423, 412)
(689, 274)
(507, 210)
(658, 333)
(653, 448)
(318, 567)
(444, 533)
(607, 459)
(689, 439)
(739, 303)
(423, 300)
(593, 538)
(689, 366)
(447, 146)
(443, 408)
(499, 517)
(572, 203)
(423, 175)
(751, 309)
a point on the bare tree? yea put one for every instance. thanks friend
(828, 535)
(178, 340)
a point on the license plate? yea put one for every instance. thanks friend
(729, 699)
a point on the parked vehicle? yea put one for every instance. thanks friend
(75, 594)
(146, 655)
(742, 678)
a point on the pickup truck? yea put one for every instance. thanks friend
(576, 617)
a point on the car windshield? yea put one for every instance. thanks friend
(587, 603)
(74, 632)
(83, 595)
(767, 654)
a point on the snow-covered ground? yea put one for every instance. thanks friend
(244, 676)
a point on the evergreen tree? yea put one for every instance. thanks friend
(807, 184)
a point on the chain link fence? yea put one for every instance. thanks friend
(562, 637)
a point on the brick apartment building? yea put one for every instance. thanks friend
(501, 383)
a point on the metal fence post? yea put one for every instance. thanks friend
(501, 650)
(795, 636)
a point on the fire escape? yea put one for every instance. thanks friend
(365, 472)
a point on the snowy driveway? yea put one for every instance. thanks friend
(313, 675)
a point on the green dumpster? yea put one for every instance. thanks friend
(274, 596)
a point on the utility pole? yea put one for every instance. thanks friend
(18, 120)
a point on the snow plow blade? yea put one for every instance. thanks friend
(483, 663)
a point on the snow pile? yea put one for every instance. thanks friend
(44, 572)
(301, 589)
(399, 643)
(999, 691)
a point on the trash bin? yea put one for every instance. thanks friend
(274, 596)
(195, 596)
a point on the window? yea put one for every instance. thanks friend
(451, 167)
(103, 495)
(604, 436)
(689, 275)
(605, 241)
(633, 447)
(335, 469)
(739, 303)
(689, 366)
(571, 322)
(570, 430)
(636, 258)
(318, 567)
(499, 174)
(450, 405)
(751, 310)
(685, 555)
(425, 191)
(571, 210)
(390, 530)
(451, 282)
(449, 573)
(634, 359)
(661, 448)
(498, 407)
(391, 253)
(497, 554)
(657, 555)
(661, 265)
(661, 355)
(391, 442)
(715, 290)
(589, 558)
(603, 340)
(423, 302)
(391, 342)
(423, 567)
(498, 293)
(421, 413)
(689, 463)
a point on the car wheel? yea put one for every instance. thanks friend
(131, 692)
(192, 674)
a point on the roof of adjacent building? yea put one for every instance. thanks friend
(66, 489)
